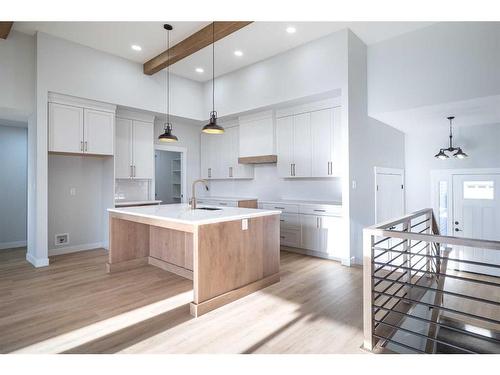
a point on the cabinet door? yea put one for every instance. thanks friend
(226, 150)
(98, 132)
(284, 145)
(302, 152)
(123, 149)
(336, 167)
(143, 149)
(65, 128)
(309, 225)
(330, 235)
(205, 155)
(237, 170)
(217, 148)
(322, 143)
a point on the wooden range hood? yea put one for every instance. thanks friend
(262, 159)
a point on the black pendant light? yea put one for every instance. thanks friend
(212, 127)
(167, 136)
(459, 154)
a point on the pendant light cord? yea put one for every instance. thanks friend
(168, 78)
(213, 66)
(451, 135)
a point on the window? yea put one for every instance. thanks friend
(443, 207)
(478, 190)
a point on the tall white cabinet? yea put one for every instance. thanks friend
(219, 156)
(308, 141)
(134, 157)
(79, 126)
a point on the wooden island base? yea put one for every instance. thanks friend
(225, 261)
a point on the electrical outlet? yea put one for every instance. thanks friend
(62, 239)
(354, 184)
(72, 191)
(244, 224)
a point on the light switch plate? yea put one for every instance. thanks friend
(244, 224)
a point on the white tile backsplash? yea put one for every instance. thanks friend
(132, 190)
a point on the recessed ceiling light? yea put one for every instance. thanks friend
(291, 29)
(199, 70)
(238, 53)
(135, 47)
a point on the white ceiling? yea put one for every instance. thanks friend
(472, 112)
(257, 41)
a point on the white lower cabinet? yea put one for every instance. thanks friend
(312, 227)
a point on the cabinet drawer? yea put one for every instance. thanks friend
(290, 238)
(289, 221)
(285, 208)
(321, 210)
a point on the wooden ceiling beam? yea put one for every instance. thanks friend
(5, 29)
(192, 44)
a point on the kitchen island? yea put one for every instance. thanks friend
(228, 252)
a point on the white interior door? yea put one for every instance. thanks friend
(389, 196)
(389, 203)
(476, 214)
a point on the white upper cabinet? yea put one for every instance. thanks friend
(123, 150)
(143, 149)
(98, 132)
(80, 126)
(302, 145)
(219, 156)
(65, 128)
(257, 135)
(134, 149)
(284, 145)
(309, 143)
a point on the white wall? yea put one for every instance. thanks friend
(267, 185)
(13, 186)
(17, 76)
(480, 142)
(371, 143)
(73, 69)
(189, 137)
(82, 215)
(311, 69)
(445, 62)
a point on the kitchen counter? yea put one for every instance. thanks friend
(228, 253)
(183, 214)
(294, 201)
(121, 203)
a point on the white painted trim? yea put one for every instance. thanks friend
(391, 171)
(438, 175)
(75, 248)
(183, 152)
(12, 245)
(134, 115)
(80, 102)
(257, 116)
(309, 107)
(37, 262)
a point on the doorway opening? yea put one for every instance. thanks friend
(13, 184)
(170, 174)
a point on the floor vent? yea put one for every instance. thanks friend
(62, 239)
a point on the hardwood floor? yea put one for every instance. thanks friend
(74, 306)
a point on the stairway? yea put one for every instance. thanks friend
(465, 341)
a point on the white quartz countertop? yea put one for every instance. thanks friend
(293, 201)
(229, 198)
(119, 203)
(182, 213)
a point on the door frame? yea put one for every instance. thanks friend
(393, 171)
(183, 152)
(438, 175)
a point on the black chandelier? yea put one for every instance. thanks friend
(459, 154)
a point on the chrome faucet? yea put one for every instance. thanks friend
(192, 202)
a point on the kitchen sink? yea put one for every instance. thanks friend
(209, 208)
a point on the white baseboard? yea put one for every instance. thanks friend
(74, 249)
(12, 245)
(316, 254)
(37, 262)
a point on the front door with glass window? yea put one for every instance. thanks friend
(476, 214)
